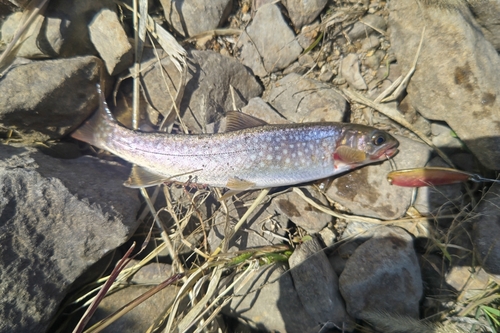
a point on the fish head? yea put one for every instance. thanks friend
(360, 145)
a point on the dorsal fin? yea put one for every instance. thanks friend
(238, 120)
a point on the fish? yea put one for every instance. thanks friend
(249, 154)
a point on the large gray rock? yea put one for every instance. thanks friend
(207, 93)
(366, 191)
(268, 44)
(300, 99)
(456, 78)
(486, 224)
(57, 218)
(191, 17)
(111, 41)
(383, 275)
(317, 284)
(49, 107)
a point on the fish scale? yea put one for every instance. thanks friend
(258, 156)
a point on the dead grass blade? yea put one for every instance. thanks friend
(93, 307)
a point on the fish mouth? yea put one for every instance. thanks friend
(388, 153)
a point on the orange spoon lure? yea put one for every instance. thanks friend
(432, 176)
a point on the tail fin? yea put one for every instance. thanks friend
(96, 129)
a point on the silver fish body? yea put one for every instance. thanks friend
(250, 158)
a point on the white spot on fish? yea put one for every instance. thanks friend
(278, 157)
(293, 155)
(262, 164)
(285, 151)
(239, 146)
(269, 157)
(287, 160)
(291, 146)
(261, 153)
(299, 153)
(253, 157)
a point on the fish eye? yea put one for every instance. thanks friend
(378, 139)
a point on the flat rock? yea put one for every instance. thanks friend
(49, 107)
(268, 44)
(457, 79)
(317, 284)
(58, 217)
(486, 228)
(191, 17)
(300, 100)
(270, 302)
(383, 274)
(111, 41)
(301, 213)
(207, 94)
(366, 191)
(349, 70)
(303, 12)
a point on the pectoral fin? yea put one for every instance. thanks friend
(349, 155)
(238, 184)
(141, 177)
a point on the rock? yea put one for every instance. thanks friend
(207, 93)
(373, 61)
(71, 213)
(300, 212)
(349, 70)
(303, 12)
(259, 229)
(457, 58)
(257, 107)
(361, 30)
(191, 17)
(487, 14)
(326, 74)
(383, 275)
(305, 100)
(486, 226)
(268, 44)
(270, 302)
(341, 255)
(111, 41)
(141, 317)
(438, 200)
(317, 284)
(366, 191)
(308, 34)
(36, 45)
(443, 137)
(370, 43)
(49, 107)
(470, 281)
